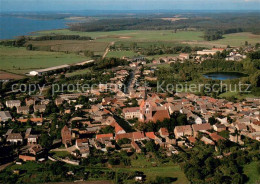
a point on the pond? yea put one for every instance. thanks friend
(224, 75)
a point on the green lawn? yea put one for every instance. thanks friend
(61, 154)
(251, 171)
(120, 54)
(20, 60)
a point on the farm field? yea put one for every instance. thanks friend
(20, 60)
(70, 45)
(133, 35)
(167, 36)
(6, 76)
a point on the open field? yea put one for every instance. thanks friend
(167, 36)
(134, 35)
(70, 45)
(7, 76)
(78, 72)
(251, 171)
(120, 54)
(20, 61)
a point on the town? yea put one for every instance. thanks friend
(122, 115)
(127, 92)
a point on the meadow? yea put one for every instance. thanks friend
(19, 60)
(167, 36)
(70, 45)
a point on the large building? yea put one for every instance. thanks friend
(13, 103)
(207, 52)
(47, 70)
(148, 110)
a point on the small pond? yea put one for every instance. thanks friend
(224, 75)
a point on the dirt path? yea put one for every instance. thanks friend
(2, 167)
(107, 49)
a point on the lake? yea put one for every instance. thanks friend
(224, 75)
(11, 27)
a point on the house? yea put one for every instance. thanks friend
(200, 128)
(207, 140)
(184, 56)
(207, 52)
(66, 136)
(59, 101)
(219, 127)
(241, 127)
(183, 130)
(13, 103)
(118, 128)
(5, 116)
(26, 158)
(214, 136)
(150, 135)
(39, 108)
(163, 132)
(256, 125)
(135, 136)
(15, 138)
(138, 136)
(104, 137)
(32, 139)
(83, 146)
(35, 149)
(23, 110)
(131, 112)
(29, 101)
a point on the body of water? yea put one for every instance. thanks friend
(11, 27)
(224, 75)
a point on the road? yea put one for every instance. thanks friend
(107, 49)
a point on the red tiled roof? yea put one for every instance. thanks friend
(122, 136)
(192, 139)
(131, 109)
(100, 136)
(216, 137)
(138, 135)
(198, 127)
(164, 131)
(150, 135)
(161, 115)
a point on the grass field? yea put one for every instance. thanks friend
(167, 36)
(20, 61)
(71, 45)
(78, 72)
(251, 171)
(120, 54)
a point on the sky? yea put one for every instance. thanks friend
(69, 5)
